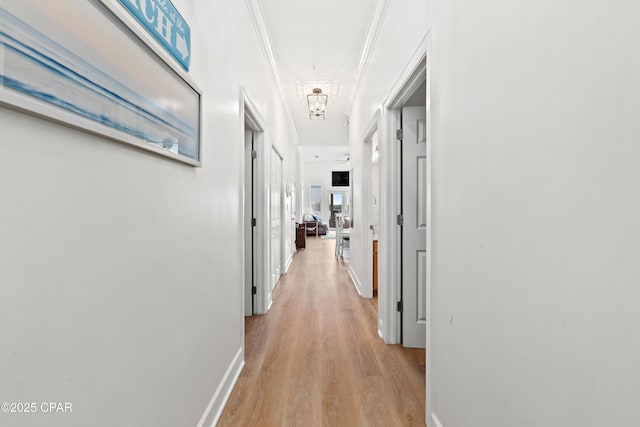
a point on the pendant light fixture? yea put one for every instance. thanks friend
(317, 102)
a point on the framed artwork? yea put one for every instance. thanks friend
(84, 65)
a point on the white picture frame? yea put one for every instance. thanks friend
(90, 65)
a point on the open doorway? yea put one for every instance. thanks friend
(371, 208)
(336, 206)
(406, 176)
(375, 211)
(250, 155)
(371, 213)
(254, 207)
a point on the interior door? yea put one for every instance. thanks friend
(276, 218)
(414, 229)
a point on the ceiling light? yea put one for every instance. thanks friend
(317, 102)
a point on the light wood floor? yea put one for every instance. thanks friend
(316, 359)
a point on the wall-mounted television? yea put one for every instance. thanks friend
(340, 178)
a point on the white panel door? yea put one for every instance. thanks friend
(276, 218)
(414, 230)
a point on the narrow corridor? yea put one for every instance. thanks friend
(316, 358)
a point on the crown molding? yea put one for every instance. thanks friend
(375, 27)
(257, 17)
(264, 40)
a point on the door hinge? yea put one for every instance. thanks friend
(399, 306)
(254, 154)
(399, 135)
(400, 220)
(254, 290)
(254, 222)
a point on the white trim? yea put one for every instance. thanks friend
(366, 237)
(52, 113)
(406, 83)
(248, 232)
(257, 17)
(355, 280)
(372, 127)
(430, 187)
(414, 80)
(391, 100)
(436, 420)
(264, 40)
(250, 114)
(374, 29)
(281, 249)
(417, 70)
(288, 263)
(221, 396)
(263, 217)
(365, 220)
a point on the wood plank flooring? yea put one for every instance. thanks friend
(316, 359)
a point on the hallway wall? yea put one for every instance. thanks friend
(536, 233)
(535, 212)
(121, 285)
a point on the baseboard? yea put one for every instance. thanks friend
(355, 280)
(287, 264)
(435, 419)
(216, 405)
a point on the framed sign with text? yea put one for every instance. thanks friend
(85, 64)
(163, 21)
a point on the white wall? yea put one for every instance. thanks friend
(120, 274)
(535, 212)
(320, 173)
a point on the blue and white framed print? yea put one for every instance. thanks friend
(80, 64)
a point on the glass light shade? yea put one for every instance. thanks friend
(317, 102)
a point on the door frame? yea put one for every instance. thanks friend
(248, 230)
(251, 116)
(415, 72)
(367, 287)
(389, 264)
(281, 247)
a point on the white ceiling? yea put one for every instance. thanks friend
(318, 44)
(335, 155)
